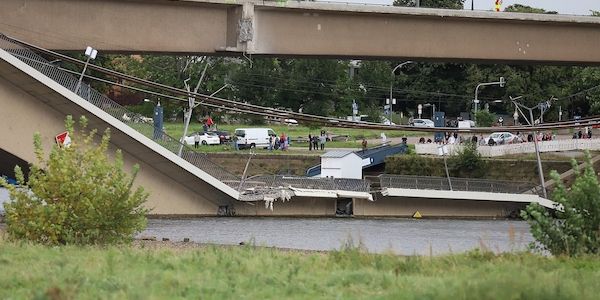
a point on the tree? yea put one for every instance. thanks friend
(575, 228)
(527, 9)
(484, 118)
(467, 162)
(78, 195)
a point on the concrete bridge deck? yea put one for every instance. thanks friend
(302, 28)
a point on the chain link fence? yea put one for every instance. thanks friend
(458, 184)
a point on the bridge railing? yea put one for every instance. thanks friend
(528, 147)
(458, 184)
(132, 119)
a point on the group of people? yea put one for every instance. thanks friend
(317, 141)
(583, 134)
(282, 142)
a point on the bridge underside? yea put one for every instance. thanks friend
(301, 29)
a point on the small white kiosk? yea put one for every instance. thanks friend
(342, 164)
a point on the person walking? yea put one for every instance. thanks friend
(196, 140)
(364, 145)
(271, 141)
(322, 141)
(234, 140)
(310, 143)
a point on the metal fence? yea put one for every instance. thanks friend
(528, 147)
(355, 185)
(458, 184)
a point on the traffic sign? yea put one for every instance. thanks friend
(63, 139)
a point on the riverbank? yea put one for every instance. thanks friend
(160, 271)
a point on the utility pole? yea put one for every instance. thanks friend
(535, 141)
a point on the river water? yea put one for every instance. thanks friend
(401, 236)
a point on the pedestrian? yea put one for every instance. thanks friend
(271, 141)
(234, 140)
(364, 144)
(315, 142)
(322, 142)
(209, 122)
(383, 138)
(196, 139)
(310, 142)
(451, 139)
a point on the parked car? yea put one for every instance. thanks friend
(224, 136)
(206, 138)
(501, 138)
(422, 123)
(289, 122)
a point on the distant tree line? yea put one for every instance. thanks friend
(328, 86)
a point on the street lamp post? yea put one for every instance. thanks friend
(535, 141)
(91, 54)
(392, 101)
(501, 83)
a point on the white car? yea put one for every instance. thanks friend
(501, 138)
(205, 139)
(423, 123)
(290, 122)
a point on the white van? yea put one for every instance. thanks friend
(254, 137)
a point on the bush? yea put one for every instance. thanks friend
(484, 118)
(76, 195)
(575, 228)
(467, 162)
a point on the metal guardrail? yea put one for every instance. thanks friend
(355, 185)
(200, 160)
(458, 184)
(527, 147)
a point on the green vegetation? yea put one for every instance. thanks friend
(484, 118)
(78, 195)
(468, 162)
(574, 229)
(296, 131)
(213, 272)
(497, 169)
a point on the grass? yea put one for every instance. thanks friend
(215, 272)
(176, 129)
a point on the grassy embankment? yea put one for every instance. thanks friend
(355, 136)
(216, 272)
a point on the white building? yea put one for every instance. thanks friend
(342, 164)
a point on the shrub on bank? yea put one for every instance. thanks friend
(78, 195)
(574, 228)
